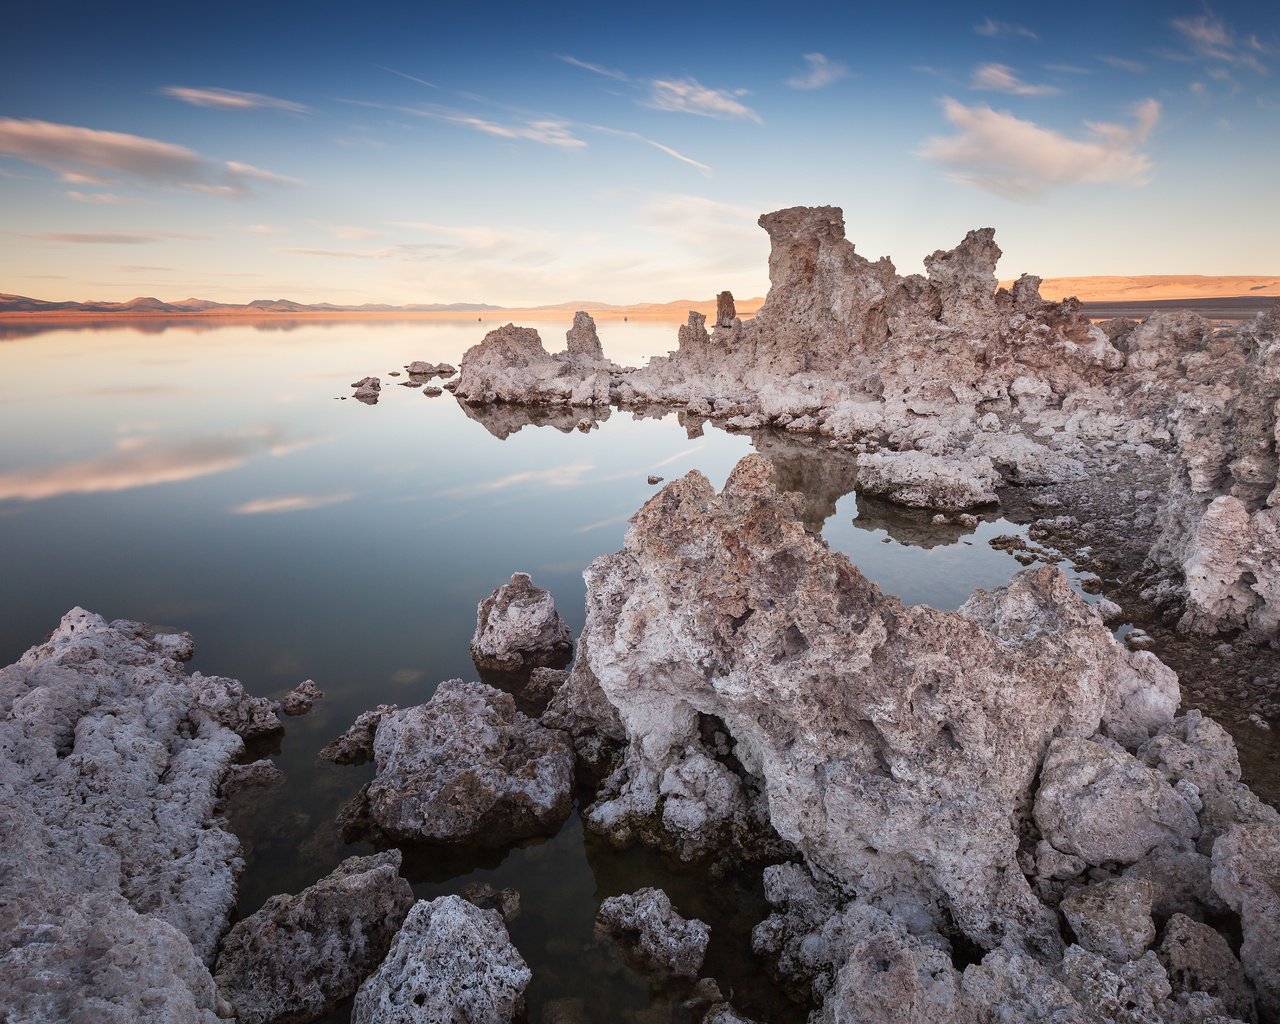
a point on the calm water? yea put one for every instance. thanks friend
(210, 480)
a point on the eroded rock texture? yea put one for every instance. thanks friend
(518, 627)
(116, 878)
(653, 934)
(451, 963)
(999, 778)
(299, 956)
(467, 767)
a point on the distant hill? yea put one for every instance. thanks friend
(148, 304)
(1156, 287)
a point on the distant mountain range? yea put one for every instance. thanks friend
(147, 304)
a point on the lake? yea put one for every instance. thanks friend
(211, 478)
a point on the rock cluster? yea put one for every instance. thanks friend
(1003, 388)
(116, 877)
(518, 627)
(299, 956)
(451, 963)
(1006, 778)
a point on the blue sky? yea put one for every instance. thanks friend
(534, 153)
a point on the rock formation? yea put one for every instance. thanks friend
(466, 767)
(995, 778)
(451, 963)
(116, 877)
(518, 627)
(726, 313)
(299, 956)
(945, 365)
(652, 934)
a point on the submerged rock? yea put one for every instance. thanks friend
(116, 876)
(468, 768)
(301, 698)
(451, 963)
(653, 934)
(299, 956)
(518, 627)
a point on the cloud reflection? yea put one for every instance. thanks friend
(146, 464)
(289, 503)
(556, 476)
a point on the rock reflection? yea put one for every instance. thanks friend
(909, 527)
(821, 476)
(504, 420)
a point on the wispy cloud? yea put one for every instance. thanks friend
(1002, 78)
(265, 229)
(545, 131)
(229, 99)
(102, 198)
(1124, 64)
(675, 154)
(289, 503)
(620, 76)
(1016, 158)
(349, 232)
(70, 149)
(114, 238)
(1209, 38)
(689, 96)
(993, 29)
(821, 71)
(411, 78)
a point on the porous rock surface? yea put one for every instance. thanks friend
(116, 877)
(653, 934)
(946, 365)
(995, 778)
(518, 627)
(297, 957)
(468, 768)
(451, 963)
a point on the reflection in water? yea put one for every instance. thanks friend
(504, 420)
(820, 476)
(143, 462)
(289, 503)
(912, 527)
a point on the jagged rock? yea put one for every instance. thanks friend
(367, 390)
(581, 340)
(653, 933)
(355, 746)
(432, 392)
(225, 701)
(1198, 959)
(421, 368)
(654, 479)
(255, 774)
(894, 745)
(919, 480)
(1112, 918)
(301, 698)
(518, 627)
(116, 877)
(510, 365)
(1246, 874)
(1101, 804)
(467, 767)
(451, 963)
(540, 689)
(725, 311)
(724, 1013)
(298, 956)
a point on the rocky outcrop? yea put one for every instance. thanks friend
(451, 963)
(652, 934)
(467, 767)
(510, 365)
(920, 480)
(726, 312)
(299, 956)
(1002, 777)
(367, 390)
(301, 698)
(581, 340)
(518, 627)
(116, 877)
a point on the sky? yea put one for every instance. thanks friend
(537, 153)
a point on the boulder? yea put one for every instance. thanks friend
(299, 956)
(920, 480)
(1112, 918)
(653, 934)
(451, 963)
(518, 627)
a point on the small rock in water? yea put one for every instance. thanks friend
(653, 934)
(432, 392)
(505, 901)
(393, 373)
(655, 479)
(518, 627)
(300, 699)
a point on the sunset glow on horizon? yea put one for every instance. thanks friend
(520, 155)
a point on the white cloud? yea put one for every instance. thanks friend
(70, 150)
(994, 29)
(1002, 78)
(289, 503)
(102, 198)
(229, 99)
(1209, 38)
(1017, 158)
(671, 152)
(820, 72)
(547, 131)
(1124, 64)
(689, 96)
(598, 69)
